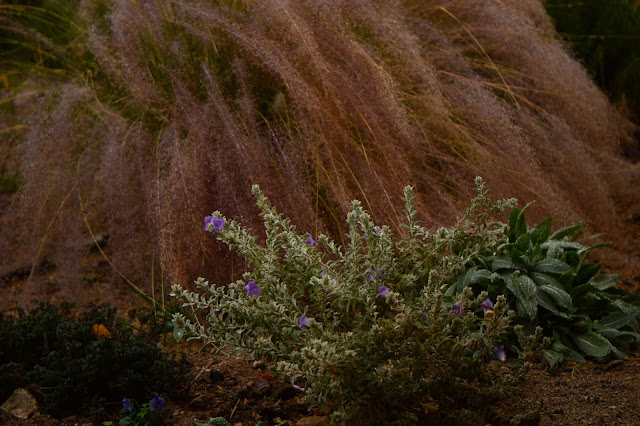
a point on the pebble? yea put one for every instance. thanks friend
(240, 393)
(313, 421)
(259, 364)
(216, 376)
(20, 405)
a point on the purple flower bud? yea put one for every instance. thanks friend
(310, 240)
(157, 403)
(499, 353)
(252, 289)
(126, 404)
(383, 291)
(303, 322)
(217, 223)
(486, 305)
(457, 308)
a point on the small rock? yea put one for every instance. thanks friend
(240, 393)
(286, 391)
(259, 364)
(216, 376)
(313, 421)
(262, 384)
(20, 405)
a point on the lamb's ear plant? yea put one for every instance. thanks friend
(365, 328)
(548, 281)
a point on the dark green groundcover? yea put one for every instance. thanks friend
(69, 368)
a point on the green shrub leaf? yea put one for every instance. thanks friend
(545, 301)
(544, 279)
(558, 295)
(552, 358)
(592, 344)
(565, 232)
(604, 281)
(551, 266)
(502, 262)
(541, 232)
(615, 320)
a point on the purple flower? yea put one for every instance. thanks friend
(303, 322)
(217, 224)
(311, 241)
(383, 291)
(157, 403)
(377, 229)
(252, 289)
(457, 308)
(499, 353)
(375, 275)
(126, 404)
(487, 305)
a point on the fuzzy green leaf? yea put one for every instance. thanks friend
(592, 344)
(553, 358)
(526, 285)
(558, 295)
(527, 307)
(611, 333)
(545, 301)
(541, 232)
(565, 232)
(481, 276)
(562, 244)
(502, 263)
(604, 281)
(586, 272)
(574, 355)
(544, 279)
(615, 320)
(551, 266)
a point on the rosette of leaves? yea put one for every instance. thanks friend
(548, 281)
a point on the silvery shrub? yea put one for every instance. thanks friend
(365, 329)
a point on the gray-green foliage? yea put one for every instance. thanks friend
(549, 283)
(362, 351)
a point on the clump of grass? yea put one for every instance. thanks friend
(155, 113)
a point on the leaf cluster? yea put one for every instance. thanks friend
(547, 279)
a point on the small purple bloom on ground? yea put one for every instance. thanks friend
(311, 241)
(303, 322)
(252, 289)
(457, 308)
(486, 305)
(126, 404)
(157, 403)
(499, 353)
(377, 229)
(383, 291)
